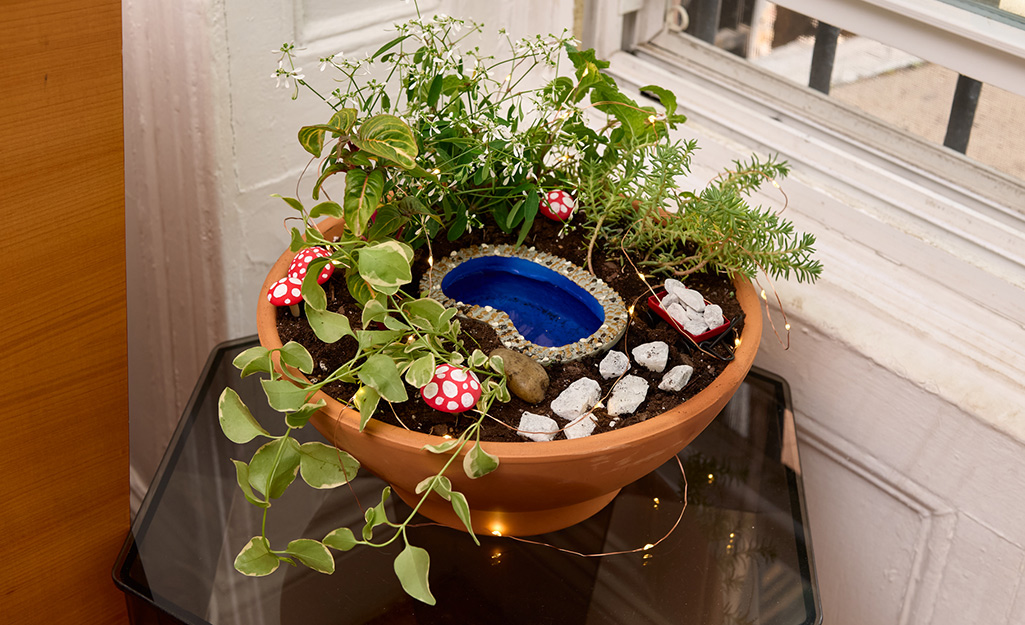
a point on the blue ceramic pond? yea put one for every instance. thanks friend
(539, 304)
(546, 307)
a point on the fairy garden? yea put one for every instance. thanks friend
(497, 248)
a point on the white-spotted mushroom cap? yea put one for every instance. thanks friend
(287, 291)
(452, 389)
(558, 205)
(303, 259)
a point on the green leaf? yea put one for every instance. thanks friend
(358, 287)
(497, 364)
(329, 171)
(425, 313)
(300, 417)
(242, 476)
(380, 373)
(478, 463)
(313, 293)
(665, 96)
(388, 137)
(312, 139)
(387, 222)
(271, 479)
(250, 355)
(396, 324)
(366, 400)
(237, 423)
(373, 312)
(462, 510)
(328, 326)
(478, 359)
(412, 567)
(341, 539)
(441, 448)
(362, 192)
(291, 201)
(438, 483)
(377, 515)
(421, 371)
(294, 354)
(434, 91)
(256, 559)
(341, 122)
(326, 208)
(388, 46)
(298, 242)
(313, 554)
(284, 396)
(386, 266)
(324, 466)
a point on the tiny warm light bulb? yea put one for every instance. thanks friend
(631, 309)
(787, 326)
(435, 171)
(447, 437)
(763, 295)
(496, 533)
(656, 501)
(430, 261)
(732, 534)
(775, 184)
(648, 546)
(508, 77)
(651, 119)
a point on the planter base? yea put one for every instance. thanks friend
(520, 523)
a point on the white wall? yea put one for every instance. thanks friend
(909, 411)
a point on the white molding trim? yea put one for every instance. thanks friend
(938, 518)
(970, 43)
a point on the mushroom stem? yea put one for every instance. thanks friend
(295, 310)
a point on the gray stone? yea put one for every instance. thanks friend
(577, 399)
(582, 427)
(613, 365)
(527, 379)
(678, 313)
(628, 395)
(652, 356)
(676, 378)
(690, 297)
(713, 316)
(696, 326)
(536, 427)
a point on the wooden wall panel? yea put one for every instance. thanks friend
(63, 393)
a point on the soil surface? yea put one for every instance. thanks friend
(609, 264)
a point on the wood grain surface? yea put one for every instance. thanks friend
(64, 508)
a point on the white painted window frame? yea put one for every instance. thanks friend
(924, 248)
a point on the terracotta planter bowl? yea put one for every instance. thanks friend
(539, 487)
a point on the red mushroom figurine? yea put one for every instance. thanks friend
(557, 205)
(303, 259)
(287, 291)
(452, 389)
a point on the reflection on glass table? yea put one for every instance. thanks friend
(740, 555)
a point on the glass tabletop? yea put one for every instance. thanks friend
(740, 555)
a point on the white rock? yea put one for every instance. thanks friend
(582, 427)
(676, 378)
(678, 313)
(713, 316)
(668, 300)
(614, 364)
(537, 427)
(628, 395)
(695, 327)
(690, 297)
(652, 355)
(577, 399)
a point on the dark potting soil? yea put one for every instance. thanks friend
(609, 264)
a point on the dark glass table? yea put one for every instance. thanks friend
(740, 555)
